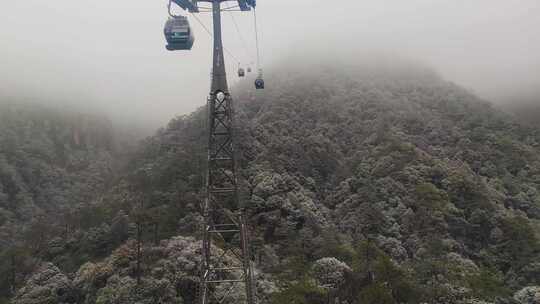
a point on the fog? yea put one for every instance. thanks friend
(109, 54)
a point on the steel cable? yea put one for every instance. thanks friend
(212, 36)
(257, 40)
(242, 40)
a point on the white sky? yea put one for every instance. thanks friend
(110, 54)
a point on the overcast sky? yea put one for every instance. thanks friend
(110, 54)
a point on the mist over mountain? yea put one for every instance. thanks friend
(112, 56)
(399, 185)
(525, 107)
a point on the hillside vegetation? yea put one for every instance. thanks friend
(391, 184)
(53, 167)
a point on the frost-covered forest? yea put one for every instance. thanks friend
(390, 184)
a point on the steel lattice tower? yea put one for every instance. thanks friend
(225, 233)
(226, 273)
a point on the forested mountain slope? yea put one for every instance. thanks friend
(397, 186)
(53, 164)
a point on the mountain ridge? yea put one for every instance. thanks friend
(437, 187)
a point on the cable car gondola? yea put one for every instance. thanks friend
(178, 34)
(249, 69)
(241, 72)
(259, 83)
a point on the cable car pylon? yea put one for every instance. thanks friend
(225, 233)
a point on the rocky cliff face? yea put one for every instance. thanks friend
(390, 183)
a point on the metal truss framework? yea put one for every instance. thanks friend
(226, 271)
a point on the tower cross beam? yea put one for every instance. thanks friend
(191, 5)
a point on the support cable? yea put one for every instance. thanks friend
(257, 40)
(212, 36)
(231, 8)
(243, 41)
